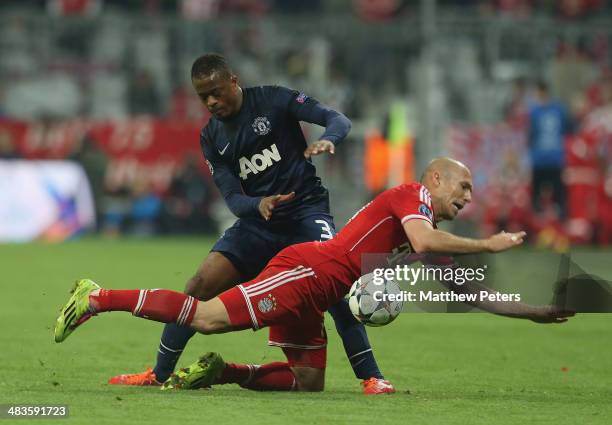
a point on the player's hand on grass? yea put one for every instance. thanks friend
(320, 147)
(503, 241)
(267, 204)
(550, 314)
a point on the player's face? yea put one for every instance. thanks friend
(457, 192)
(220, 95)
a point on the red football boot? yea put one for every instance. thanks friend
(145, 378)
(375, 386)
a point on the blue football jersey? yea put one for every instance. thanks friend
(260, 151)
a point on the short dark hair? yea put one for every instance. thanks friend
(208, 64)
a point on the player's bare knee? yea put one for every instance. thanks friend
(208, 292)
(214, 276)
(192, 286)
(309, 379)
(199, 288)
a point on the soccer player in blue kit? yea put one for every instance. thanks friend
(260, 161)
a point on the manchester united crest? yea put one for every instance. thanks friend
(261, 126)
(267, 304)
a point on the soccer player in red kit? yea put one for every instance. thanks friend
(302, 281)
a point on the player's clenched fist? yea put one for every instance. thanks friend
(319, 147)
(267, 204)
(503, 241)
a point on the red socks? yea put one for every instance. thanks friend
(174, 307)
(160, 305)
(114, 300)
(275, 376)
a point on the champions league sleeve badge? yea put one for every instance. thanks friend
(424, 210)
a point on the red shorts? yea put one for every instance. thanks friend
(288, 297)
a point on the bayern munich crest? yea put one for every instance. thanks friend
(261, 126)
(267, 304)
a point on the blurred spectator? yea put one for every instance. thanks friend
(598, 126)
(145, 210)
(244, 7)
(582, 178)
(297, 6)
(185, 208)
(94, 162)
(571, 72)
(199, 10)
(517, 108)
(115, 208)
(605, 202)
(507, 202)
(143, 97)
(7, 150)
(74, 7)
(377, 10)
(185, 106)
(574, 9)
(549, 123)
(597, 95)
(133, 211)
(514, 8)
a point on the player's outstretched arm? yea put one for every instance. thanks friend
(425, 239)
(308, 109)
(492, 301)
(337, 125)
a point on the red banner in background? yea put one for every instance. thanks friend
(138, 149)
(144, 149)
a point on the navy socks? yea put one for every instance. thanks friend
(355, 340)
(173, 342)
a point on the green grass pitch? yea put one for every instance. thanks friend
(448, 368)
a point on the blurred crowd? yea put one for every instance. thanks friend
(566, 196)
(136, 208)
(367, 9)
(99, 61)
(116, 67)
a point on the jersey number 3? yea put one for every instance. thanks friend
(326, 231)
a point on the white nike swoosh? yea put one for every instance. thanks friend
(221, 152)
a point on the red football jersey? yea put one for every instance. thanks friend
(375, 229)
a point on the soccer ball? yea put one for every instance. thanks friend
(370, 303)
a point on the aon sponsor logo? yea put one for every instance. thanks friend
(258, 162)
